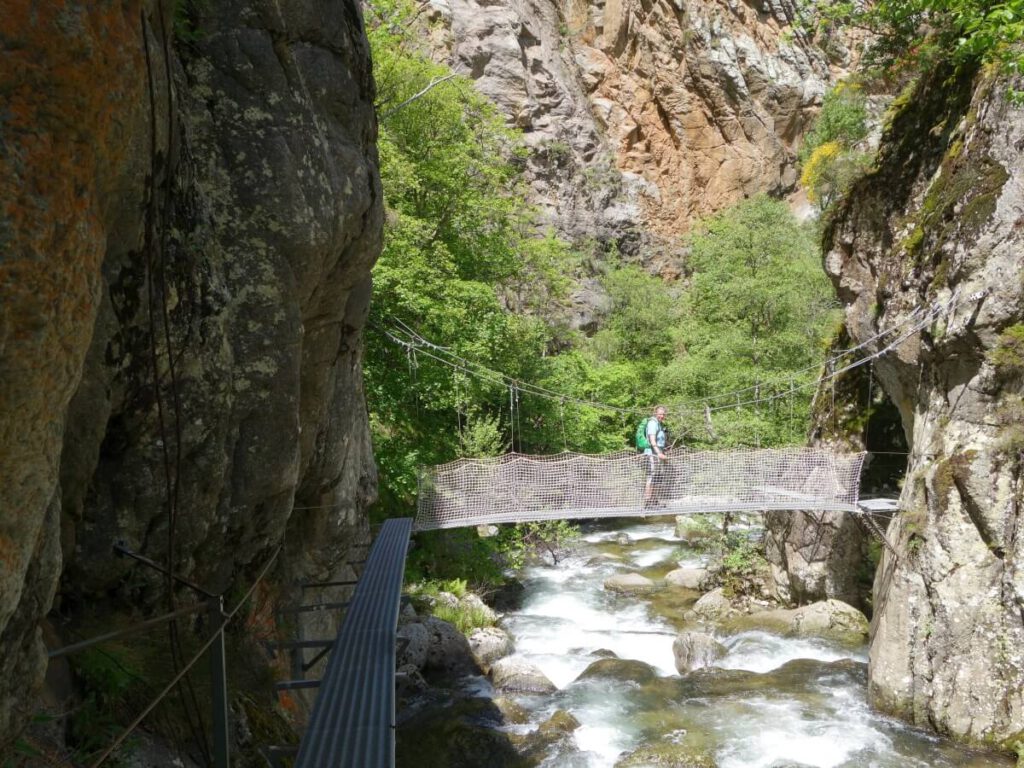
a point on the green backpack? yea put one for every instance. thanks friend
(641, 435)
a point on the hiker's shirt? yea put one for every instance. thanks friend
(655, 436)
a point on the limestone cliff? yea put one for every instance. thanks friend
(938, 225)
(191, 208)
(818, 555)
(643, 114)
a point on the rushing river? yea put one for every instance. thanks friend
(806, 707)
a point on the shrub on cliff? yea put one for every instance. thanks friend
(916, 34)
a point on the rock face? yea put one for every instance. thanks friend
(820, 555)
(815, 556)
(937, 227)
(643, 116)
(208, 210)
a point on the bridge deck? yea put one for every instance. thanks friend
(353, 718)
(700, 507)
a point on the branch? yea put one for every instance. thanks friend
(429, 87)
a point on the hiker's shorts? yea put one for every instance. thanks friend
(652, 465)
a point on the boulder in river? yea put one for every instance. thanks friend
(714, 606)
(516, 674)
(832, 619)
(693, 650)
(463, 735)
(537, 744)
(561, 722)
(629, 584)
(688, 578)
(448, 650)
(667, 754)
(489, 644)
(629, 670)
(511, 711)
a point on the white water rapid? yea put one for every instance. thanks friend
(793, 714)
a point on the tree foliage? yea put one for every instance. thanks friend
(918, 33)
(756, 318)
(831, 155)
(459, 244)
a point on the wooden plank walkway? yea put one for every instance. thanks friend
(353, 719)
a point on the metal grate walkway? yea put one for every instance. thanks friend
(353, 720)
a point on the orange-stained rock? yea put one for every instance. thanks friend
(187, 238)
(643, 117)
(72, 87)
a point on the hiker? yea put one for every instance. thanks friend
(654, 442)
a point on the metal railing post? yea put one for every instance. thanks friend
(219, 684)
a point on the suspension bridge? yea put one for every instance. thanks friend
(516, 488)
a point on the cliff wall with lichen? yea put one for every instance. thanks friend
(189, 208)
(929, 243)
(642, 115)
(819, 555)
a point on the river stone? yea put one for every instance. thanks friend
(511, 711)
(627, 670)
(560, 722)
(693, 650)
(714, 606)
(516, 674)
(604, 653)
(688, 578)
(409, 681)
(622, 539)
(829, 618)
(489, 644)
(537, 744)
(417, 643)
(630, 584)
(448, 651)
(463, 735)
(666, 755)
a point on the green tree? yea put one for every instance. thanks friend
(462, 265)
(918, 33)
(756, 317)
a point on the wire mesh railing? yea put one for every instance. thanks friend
(517, 488)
